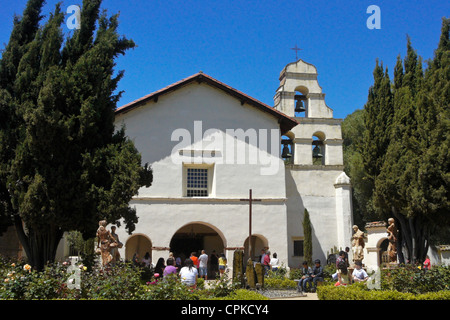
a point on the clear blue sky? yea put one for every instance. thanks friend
(246, 44)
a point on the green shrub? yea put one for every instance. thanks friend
(21, 282)
(169, 288)
(415, 280)
(359, 291)
(120, 282)
(275, 283)
(222, 287)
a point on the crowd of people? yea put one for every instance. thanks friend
(310, 277)
(189, 270)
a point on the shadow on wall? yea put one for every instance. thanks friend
(295, 209)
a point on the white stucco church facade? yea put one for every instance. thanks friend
(210, 144)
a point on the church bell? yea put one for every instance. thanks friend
(317, 152)
(286, 152)
(299, 105)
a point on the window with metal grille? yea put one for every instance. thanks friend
(197, 182)
(298, 248)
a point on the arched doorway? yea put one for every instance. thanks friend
(194, 237)
(259, 242)
(383, 258)
(137, 243)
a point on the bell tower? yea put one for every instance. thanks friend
(299, 92)
(314, 161)
(317, 140)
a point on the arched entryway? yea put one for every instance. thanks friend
(259, 242)
(137, 243)
(383, 258)
(197, 236)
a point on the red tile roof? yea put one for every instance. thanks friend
(286, 123)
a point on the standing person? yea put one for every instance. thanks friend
(214, 263)
(347, 250)
(170, 269)
(159, 268)
(261, 257)
(203, 265)
(147, 260)
(274, 262)
(340, 258)
(189, 274)
(135, 259)
(427, 263)
(194, 259)
(266, 263)
(178, 262)
(222, 264)
(317, 274)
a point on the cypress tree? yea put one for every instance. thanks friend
(414, 180)
(307, 233)
(378, 117)
(70, 167)
(23, 33)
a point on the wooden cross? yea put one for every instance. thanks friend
(250, 200)
(296, 51)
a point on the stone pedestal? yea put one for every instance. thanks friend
(376, 234)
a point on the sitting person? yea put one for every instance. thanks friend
(189, 273)
(306, 273)
(317, 275)
(170, 269)
(342, 272)
(359, 274)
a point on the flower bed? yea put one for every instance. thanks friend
(121, 282)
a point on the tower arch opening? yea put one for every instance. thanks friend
(301, 101)
(318, 148)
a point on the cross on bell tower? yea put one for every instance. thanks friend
(296, 51)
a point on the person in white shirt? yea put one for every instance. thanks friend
(274, 262)
(359, 274)
(189, 274)
(203, 265)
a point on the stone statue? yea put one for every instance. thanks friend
(104, 242)
(392, 232)
(357, 244)
(115, 249)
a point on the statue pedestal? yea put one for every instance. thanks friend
(392, 265)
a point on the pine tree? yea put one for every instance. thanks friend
(70, 167)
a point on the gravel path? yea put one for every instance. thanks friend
(276, 294)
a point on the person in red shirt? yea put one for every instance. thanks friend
(266, 262)
(194, 259)
(427, 264)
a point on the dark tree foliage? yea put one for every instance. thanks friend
(405, 148)
(307, 232)
(63, 164)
